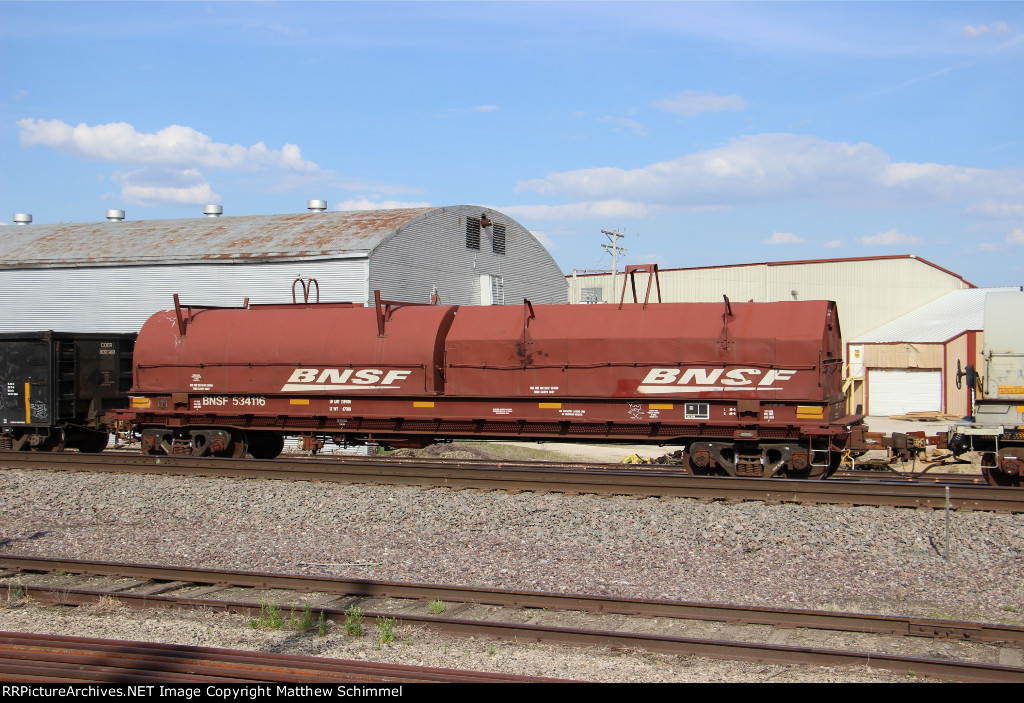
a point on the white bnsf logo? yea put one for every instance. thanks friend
(701, 380)
(344, 379)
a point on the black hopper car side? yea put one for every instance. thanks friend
(56, 387)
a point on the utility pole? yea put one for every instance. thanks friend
(614, 248)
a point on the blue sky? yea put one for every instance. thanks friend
(709, 134)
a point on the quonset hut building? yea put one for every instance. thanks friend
(111, 276)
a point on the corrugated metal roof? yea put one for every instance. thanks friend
(202, 239)
(937, 322)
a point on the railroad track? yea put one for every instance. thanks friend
(987, 652)
(33, 658)
(604, 479)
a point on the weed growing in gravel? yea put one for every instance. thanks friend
(354, 621)
(15, 592)
(270, 617)
(490, 650)
(387, 628)
(437, 607)
(304, 623)
(321, 624)
(106, 604)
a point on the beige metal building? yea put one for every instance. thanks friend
(910, 364)
(869, 291)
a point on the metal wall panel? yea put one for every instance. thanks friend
(431, 252)
(903, 356)
(120, 299)
(869, 292)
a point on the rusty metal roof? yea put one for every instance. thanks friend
(203, 239)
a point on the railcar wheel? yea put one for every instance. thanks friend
(821, 464)
(91, 442)
(996, 476)
(700, 463)
(803, 474)
(235, 450)
(47, 443)
(264, 445)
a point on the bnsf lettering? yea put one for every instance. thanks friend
(702, 379)
(337, 379)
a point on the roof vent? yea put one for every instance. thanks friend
(22, 218)
(115, 215)
(316, 205)
(213, 210)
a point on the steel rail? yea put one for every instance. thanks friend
(364, 588)
(34, 657)
(599, 480)
(615, 639)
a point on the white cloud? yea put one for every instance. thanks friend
(635, 127)
(579, 211)
(973, 33)
(890, 238)
(1015, 237)
(834, 244)
(991, 208)
(485, 108)
(988, 246)
(772, 167)
(783, 238)
(157, 186)
(170, 159)
(174, 146)
(543, 239)
(691, 104)
(365, 204)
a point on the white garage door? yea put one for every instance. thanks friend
(897, 391)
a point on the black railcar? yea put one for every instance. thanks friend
(55, 388)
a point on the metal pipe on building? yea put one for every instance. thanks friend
(316, 205)
(115, 215)
(22, 218)
(213, 210)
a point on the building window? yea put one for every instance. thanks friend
(492, 290)
(472, 233)
(592, 295)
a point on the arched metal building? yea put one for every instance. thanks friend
(111, 276)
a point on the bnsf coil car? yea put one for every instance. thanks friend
(747, 389)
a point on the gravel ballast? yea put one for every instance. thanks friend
(878, 560)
